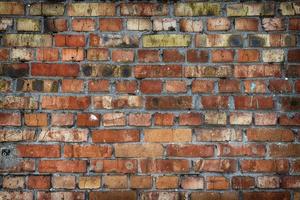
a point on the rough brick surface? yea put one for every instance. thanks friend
(150, 100)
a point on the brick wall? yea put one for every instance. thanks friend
(150, 100)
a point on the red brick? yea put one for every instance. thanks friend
(294, 55)
(214, 102)
(164, 166)
(98, 85)
(87, 151)
(148, 55)
(72, 85)
(258, 70)
(47, 54)
(246, 24)
(255, 86)
(121, 195)
(88, 120)
(167, 182)
(265, 119)
(60, 195)
(67, 166)
(248, 55)
(253, 102)
(122, 55)
(63, 182)
(227, 85)
(215, 195)
(38, 151)
(83, 24)
(266, 195)
(139, 119)
(115, 135)
(151, 86)
(168, 135)
(249, 150)
(176, 86)
(222, 55)
(290, 103)
(47, 69)
(173, 55)
(63, 135)
(196, 56)
(280, 86)
(263, 166)
(110, 24)
(39, 182)
(62, 119)
(289, 120)
(128, 150)
(281, 150)
(294, 24)
(268, 182)
(129, 87)
(215, 165)
(270, 135)
(243, 182)
(10, 119)
(190, 119)
(192, 183)
(163, 119)
(65, 102)
(140, 182)
(36, 119)
(72, 54)
(217, 183)
(190, 25)
(190, 150)
(69, 40)
(4, 54)
(202, 86)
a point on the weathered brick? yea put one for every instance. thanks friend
(11, 8)
(62, 119)
(268, 182)
(218, 24)
(114, 119)
(294, 24)
(266, 195)
(27, 40)
(104, 70)
(289, 8)
(18, 102)
(91, 9)
(144, 9)
(240, 118)
(261, 166)
(121, 195)
(5, 24)
(36, 119)
(25, 24)
(39, 182)
(197, 9)
(114, 40)
(17, 135)
(118, 102)
(89, 182)
(74, 55)
(60, 195)
(243, 182)
(196, 56)
(170, 40)
(259, 70)
(139, 24)
(248, 55)
(219, 40)
(164, 24)
(249, 150)
(168, 102)
(167, 182)
(122, 55)
(114, 166)
(284, 150)
(207, 71)
(47, 54)
(139, 119)
(55, 25)
(246, 24)
(72, 85)
(217, 183)
(251, 9)
(215, 195)
(163, 119)
(63, 182)
(147, 56)
(157, 71)
(63, 135)
(11, 182)
(137, 182)
(215, 117)
(189, 25)
(47, 9)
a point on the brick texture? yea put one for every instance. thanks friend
(150, 100)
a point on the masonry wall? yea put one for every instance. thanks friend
(150, 101)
